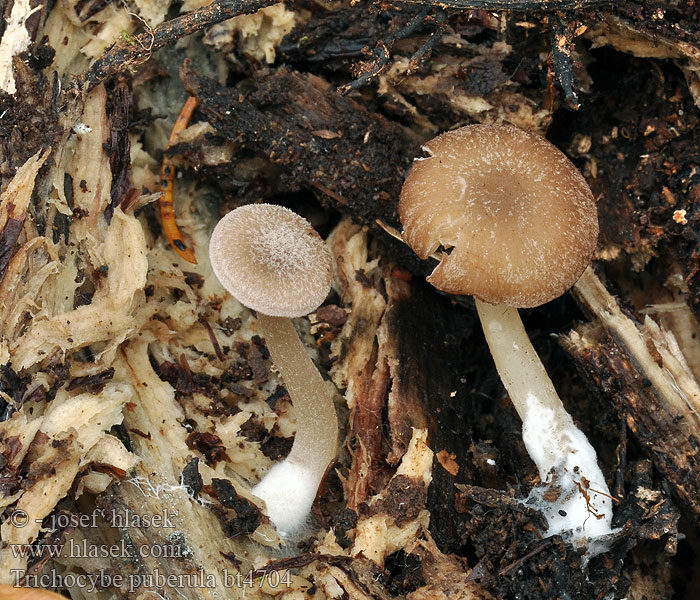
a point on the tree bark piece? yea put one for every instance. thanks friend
(352, 159)
(640, 366)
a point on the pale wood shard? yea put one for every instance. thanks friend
(445, 575)
(15, 39)
(640, 366)
(362, 368)
(13, 211)
(109, 317)
(666, 303)
(16, 196)
(91, 175)
(388, 530)
(69, 428)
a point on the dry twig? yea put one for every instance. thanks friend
(518, 5)
(141, 47)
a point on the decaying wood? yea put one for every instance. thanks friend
(371, 69)
(110, 317)
(57, 444)
(154, 488)
(140, 48)
(362, 368)
(293, 120)
(13, 208)
(65, 435)
(15, 39)
(397, 514)
(384, 364)
(640, 366)
(519, 5)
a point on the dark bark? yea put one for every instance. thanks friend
(354, 160)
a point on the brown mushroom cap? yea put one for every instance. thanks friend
(516, 219)
(271, 260)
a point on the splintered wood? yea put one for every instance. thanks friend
(641, 367)
(57, 443)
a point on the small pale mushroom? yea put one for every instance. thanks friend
(515, 225)
(272, 260)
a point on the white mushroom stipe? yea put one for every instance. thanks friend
(565, 457)
(316, 438)
(288, 490)
(559, 449)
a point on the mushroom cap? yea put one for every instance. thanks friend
(516, 220)
(271, 260)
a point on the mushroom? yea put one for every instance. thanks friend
(515, 225)
(273, 261)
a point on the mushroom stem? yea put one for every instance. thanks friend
(289, 488)
(316, 439)
(558, 448)
(521, 370)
